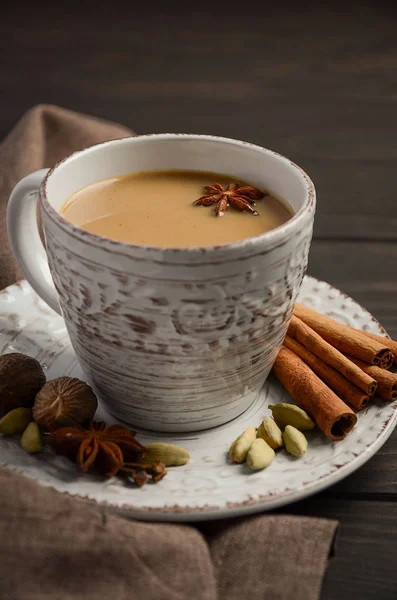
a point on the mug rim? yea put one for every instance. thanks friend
(269, 238)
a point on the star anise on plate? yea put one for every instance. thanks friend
(241, 197)
(107, 450)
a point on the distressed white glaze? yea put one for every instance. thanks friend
(174, 339)
(208, 486)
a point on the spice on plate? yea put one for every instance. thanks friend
(239, 448)
(65, 401)
(392, 344)
(169, 454)
(139, 473)
(337, 382)
(256, 447)
(16, 421)
(109, 451)
(259, 455)
(64, 408)
(387, 381)
(311, 340)
(346, 339)
(270, 432)
(330, 413)
(99, 447)
(21, 377)
(294, 441)
(31, 438)
(288, 414)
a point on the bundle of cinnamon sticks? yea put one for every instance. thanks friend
(330, 369)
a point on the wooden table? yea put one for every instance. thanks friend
(318, 85)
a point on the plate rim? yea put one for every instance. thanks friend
(176, 513)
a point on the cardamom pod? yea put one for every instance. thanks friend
(169, 454)
(294, 441)
(16, 421)
(31, 438)
(260, 455)
(269, 431)
(289, 414)
(239, 448)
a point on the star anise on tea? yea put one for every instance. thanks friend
(106, 450)
(241, 197)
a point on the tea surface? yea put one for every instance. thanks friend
(156, 208)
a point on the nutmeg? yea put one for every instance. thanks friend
(21, 377)
(65, 401)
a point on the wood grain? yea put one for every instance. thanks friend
(364, 564)
(317, 83)
(365, 271)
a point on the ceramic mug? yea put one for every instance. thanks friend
(172, 339)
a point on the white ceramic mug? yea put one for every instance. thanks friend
(171, 339)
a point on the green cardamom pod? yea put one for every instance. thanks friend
(294, 441)
(259, 455)
(289, 414)
(15, 421)
(31, 438)
(169, 454)
(269, 431)
(239, 448)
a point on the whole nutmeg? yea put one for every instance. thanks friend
(64, 401)
(21, 377)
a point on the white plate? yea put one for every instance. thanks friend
(208, 486)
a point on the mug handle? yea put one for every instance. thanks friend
(24, 237)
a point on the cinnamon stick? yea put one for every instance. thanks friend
(330, 355)
(330, 413)
(392, 344)
(387, 381)
(346, 339)
(342, 386)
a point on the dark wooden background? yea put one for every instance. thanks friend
(318, 84)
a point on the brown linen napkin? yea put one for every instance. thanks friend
(53, 546)
(43, 136)
(275, 556)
